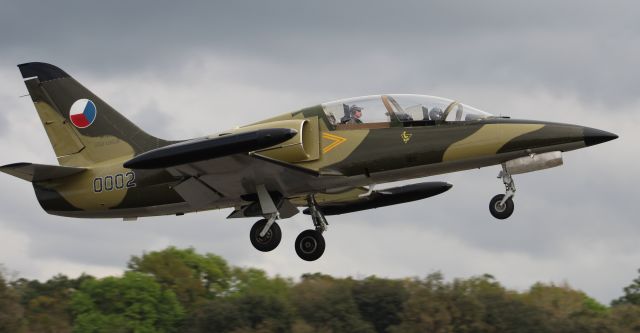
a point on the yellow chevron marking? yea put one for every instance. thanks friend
(336, 141)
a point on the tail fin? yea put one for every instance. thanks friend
(82, 128)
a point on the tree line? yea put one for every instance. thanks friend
(180, 290)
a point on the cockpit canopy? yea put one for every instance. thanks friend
(399, 108)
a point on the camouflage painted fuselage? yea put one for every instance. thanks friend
(364, 154)
(325, 158)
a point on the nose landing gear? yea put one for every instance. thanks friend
(501, 206)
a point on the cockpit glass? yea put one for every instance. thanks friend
(368, 109)
(403, 108)
(419, 107)
(422, 107)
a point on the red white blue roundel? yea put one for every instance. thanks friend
(83, 113)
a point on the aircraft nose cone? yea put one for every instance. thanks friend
(594, 136)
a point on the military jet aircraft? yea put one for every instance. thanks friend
(327, 158)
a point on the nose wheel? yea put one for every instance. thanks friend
(501, 206)
(499, 209)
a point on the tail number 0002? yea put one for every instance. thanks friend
(116, 182)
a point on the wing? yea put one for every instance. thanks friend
(224, 171)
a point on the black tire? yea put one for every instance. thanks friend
(498, 211)
(270, 240)
(310, 245)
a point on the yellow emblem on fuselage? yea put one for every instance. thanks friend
(336, 141)
(405, 136)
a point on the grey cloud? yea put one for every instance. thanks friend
(3, 125)
(547, 45)
(155, 121)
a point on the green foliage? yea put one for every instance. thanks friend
(219, 315)
(631, 293)
(380, 301)
(47, 305)
(253, 302)
(569, 310)
(478, 304)
(327, 304)
(627, 316)
(247, 281)
(11, 312)
(179, 290)
(132, 303)
(193, 277)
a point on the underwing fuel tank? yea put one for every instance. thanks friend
(386, 197)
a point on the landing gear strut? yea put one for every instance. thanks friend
(501, 206)
(265, 234)
(310, 243)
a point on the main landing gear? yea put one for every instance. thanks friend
(265, 234)
(501, 206)
(310, 243)
(265, 237)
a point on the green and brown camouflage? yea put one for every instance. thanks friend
(326, 158)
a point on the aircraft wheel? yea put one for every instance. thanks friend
(499, 211)
(270, 240)
(310, 245)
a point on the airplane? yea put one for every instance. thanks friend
(327, 158)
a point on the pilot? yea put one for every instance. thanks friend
(436, 114)
(355, 112)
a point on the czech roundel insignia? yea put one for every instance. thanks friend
(83, 113)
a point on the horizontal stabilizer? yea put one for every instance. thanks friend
(207, 148)
(386, 197)
(39, 172)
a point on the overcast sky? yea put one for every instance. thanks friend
(184, 70)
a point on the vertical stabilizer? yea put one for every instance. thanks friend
(82, 128)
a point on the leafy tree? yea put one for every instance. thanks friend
(153, 295)
(263, 301)
(478, 304)
(327, 304)
(631, 293)
(132, 303)
(254, 302)
(11, 312)
(427, 308)
(626, 317)
(219, 315)
(251, 280)
(503, 310)
(380, 301)
(47, 305)
(193, 277)
(561, 301)
(569, 310)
